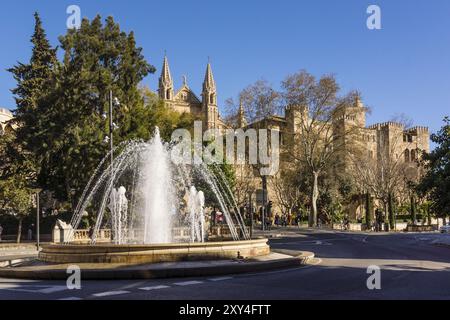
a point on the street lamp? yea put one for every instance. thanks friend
(113, 102)
(37, 191)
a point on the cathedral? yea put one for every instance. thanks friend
(185, 100)
(381, 140)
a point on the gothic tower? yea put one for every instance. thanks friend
(242, 122)
(209, 101)
(166, 91)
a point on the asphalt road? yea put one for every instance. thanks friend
(411, 268)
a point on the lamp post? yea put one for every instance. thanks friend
(250, 208)
(38, 191)
(111, 129)
(113, 102)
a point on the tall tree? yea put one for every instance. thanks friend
(19, 163)
(97, 59)
(436, 182)
(32, 79)
(317, 143)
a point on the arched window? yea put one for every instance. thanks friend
(168, 94)
(413, 155)
(407, 158)
(211, 98)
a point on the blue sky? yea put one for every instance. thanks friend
(403, 68)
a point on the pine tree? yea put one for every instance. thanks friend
(19, 163)
(31, 86)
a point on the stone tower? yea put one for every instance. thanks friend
(166, 90)
(242, 122)
(209, 101)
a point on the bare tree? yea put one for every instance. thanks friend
(259, 100)
(318, 140)
(245, 183)
(383, 174)
(287, 191)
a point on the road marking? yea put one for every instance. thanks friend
(110, 293)
(187, 283)
(70, 299)
(53, 289)
(154, 288)
(221, 279)
(34, 289)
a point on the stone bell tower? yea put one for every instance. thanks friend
(209, 101)
(166, 90)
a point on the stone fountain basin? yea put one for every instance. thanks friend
(143, 254)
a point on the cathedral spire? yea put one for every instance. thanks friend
(209, 84)
(242, 122)
(165, 81)
(166, 77)
(209, 102)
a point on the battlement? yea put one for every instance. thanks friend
(386, 125)
(419, 129)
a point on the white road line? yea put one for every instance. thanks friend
(70, 299)
(34, 289)
(154, 288)
(221, 279)
(187, 283)
(110, 293)
(53, 289)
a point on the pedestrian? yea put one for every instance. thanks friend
(213, 217)
(277, 219)
(268, 223)
(1, 231)
(30, 234)
(284, 221)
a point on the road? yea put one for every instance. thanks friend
(411, 268)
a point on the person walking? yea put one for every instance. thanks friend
(1, 231)
(277, 220)
(213, 217)
(30, 234)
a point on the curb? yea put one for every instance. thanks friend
(173, 272)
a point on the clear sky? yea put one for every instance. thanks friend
(403, 68)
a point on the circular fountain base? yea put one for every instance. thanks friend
(144, 254)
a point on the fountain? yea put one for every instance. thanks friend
(156, 211)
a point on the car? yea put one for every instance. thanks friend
(445, 228)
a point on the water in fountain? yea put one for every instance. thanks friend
(155, 187)
(118, 206)
(196, 214)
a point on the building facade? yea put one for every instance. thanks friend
(185, 100)
(380, 140)
(5, 117)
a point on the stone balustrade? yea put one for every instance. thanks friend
(180, 234)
